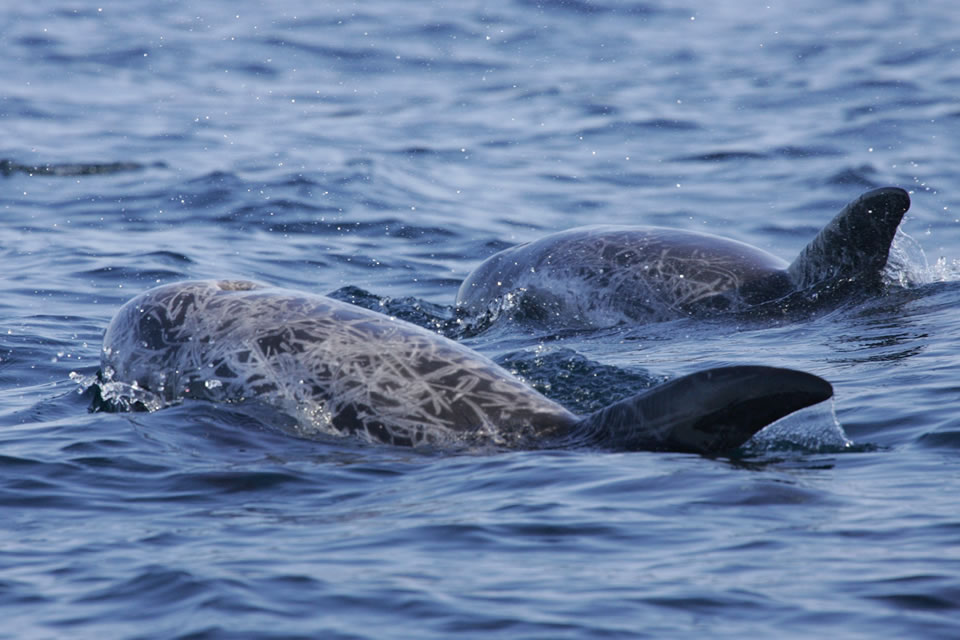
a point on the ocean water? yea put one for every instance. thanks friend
(379, 151)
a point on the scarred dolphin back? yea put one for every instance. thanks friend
(606, 275)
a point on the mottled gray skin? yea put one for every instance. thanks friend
(340, 369)
(337, 367)
(606, 275)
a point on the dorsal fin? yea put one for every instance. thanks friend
(856, 243)
(710, 411)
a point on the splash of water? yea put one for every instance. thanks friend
(908, 267)
(815, 429)
(115, 395)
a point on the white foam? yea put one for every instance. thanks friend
(815, 428)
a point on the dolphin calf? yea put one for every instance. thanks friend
(341, 369)
(602, 276)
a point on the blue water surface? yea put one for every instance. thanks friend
(379, 151)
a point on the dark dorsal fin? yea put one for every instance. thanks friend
(855, 244)
(710, 411)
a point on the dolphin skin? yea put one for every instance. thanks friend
(344, 370)
(602, 276)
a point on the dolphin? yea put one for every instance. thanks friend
(601, 276)
(344, 370)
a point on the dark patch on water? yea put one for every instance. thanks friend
(8, 167)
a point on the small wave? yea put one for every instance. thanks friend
(132, 57)
(172, 257)
(620, 128)
(947, 439)
(285, 215)
(160, 586)
(10, 167)
(135, 274)
(722, 156)
(807, 151)
(861, 176)
(595, 8)
(909, 56)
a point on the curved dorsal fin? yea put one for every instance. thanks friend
(707, 412)
(855, 244)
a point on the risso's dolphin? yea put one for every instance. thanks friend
(607, 275)
(341, 369)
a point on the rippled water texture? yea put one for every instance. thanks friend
(381, 150)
